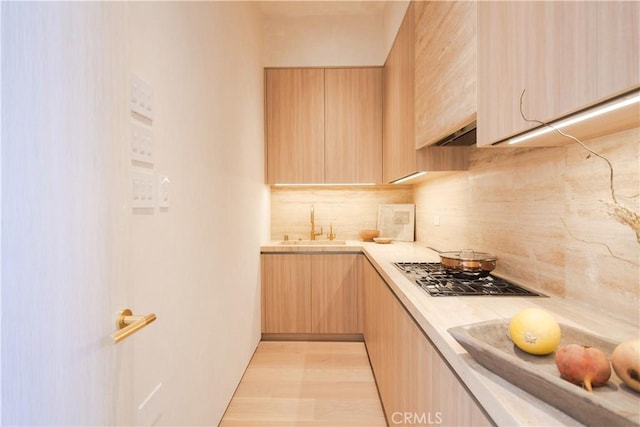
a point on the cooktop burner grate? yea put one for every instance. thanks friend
(437, 281)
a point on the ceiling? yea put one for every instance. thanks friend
(309, 8)
(316, 33)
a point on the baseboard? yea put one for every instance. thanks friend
(313, 337)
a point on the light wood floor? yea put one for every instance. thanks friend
(307, 384)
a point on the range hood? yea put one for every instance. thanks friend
(447, 155)
(464, 137)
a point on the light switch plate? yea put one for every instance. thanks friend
(141, 143)
(144, 194)
(141, 97)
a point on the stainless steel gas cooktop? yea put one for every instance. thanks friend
(438, 282)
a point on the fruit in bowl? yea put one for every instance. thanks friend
(626, 362)
(535, 331)
(582, 365)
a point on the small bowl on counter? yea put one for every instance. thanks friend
(383, 240)
(369, 235)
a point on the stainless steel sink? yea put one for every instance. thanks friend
(325, 242)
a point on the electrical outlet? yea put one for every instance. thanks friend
(141, 97)
(141, 143)
(143, 195)
(436, 220)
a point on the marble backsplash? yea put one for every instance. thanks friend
(349, 209)
(545, 213)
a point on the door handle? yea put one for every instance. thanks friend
(128, 324)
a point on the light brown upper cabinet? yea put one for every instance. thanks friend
(295, 125)
(353, 125)
(566, 56)
(445, 76)
(324, 125)
(429, 87)
(398, 131)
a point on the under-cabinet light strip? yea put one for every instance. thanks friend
(325, 185)
(589, 114)
(409, 177)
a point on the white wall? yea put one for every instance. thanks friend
(0, 216)
(63, 93)
(74, 251)
(393, 14)
(197, 264)
(317, 33)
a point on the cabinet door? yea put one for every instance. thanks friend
(353, 125)
(398, 352)
(618, 46)
(371, 317)
(547, 49)
(295, 125)
(566, 55)
(413, 379)
(286, 293)
(446, 71)
(398, 131)
(449, 396)
(335, 293)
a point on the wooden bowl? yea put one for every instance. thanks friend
(369, 235)
(383, 240)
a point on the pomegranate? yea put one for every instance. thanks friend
(586, 366)
(626, 362)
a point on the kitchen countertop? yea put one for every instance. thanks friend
(505, 403)
(349, 246)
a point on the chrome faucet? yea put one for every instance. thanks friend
(313, 234)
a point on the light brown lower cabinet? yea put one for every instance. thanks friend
(311, 293)
(416, 385)
(286, 293)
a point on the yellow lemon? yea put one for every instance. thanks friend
(535, 331)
